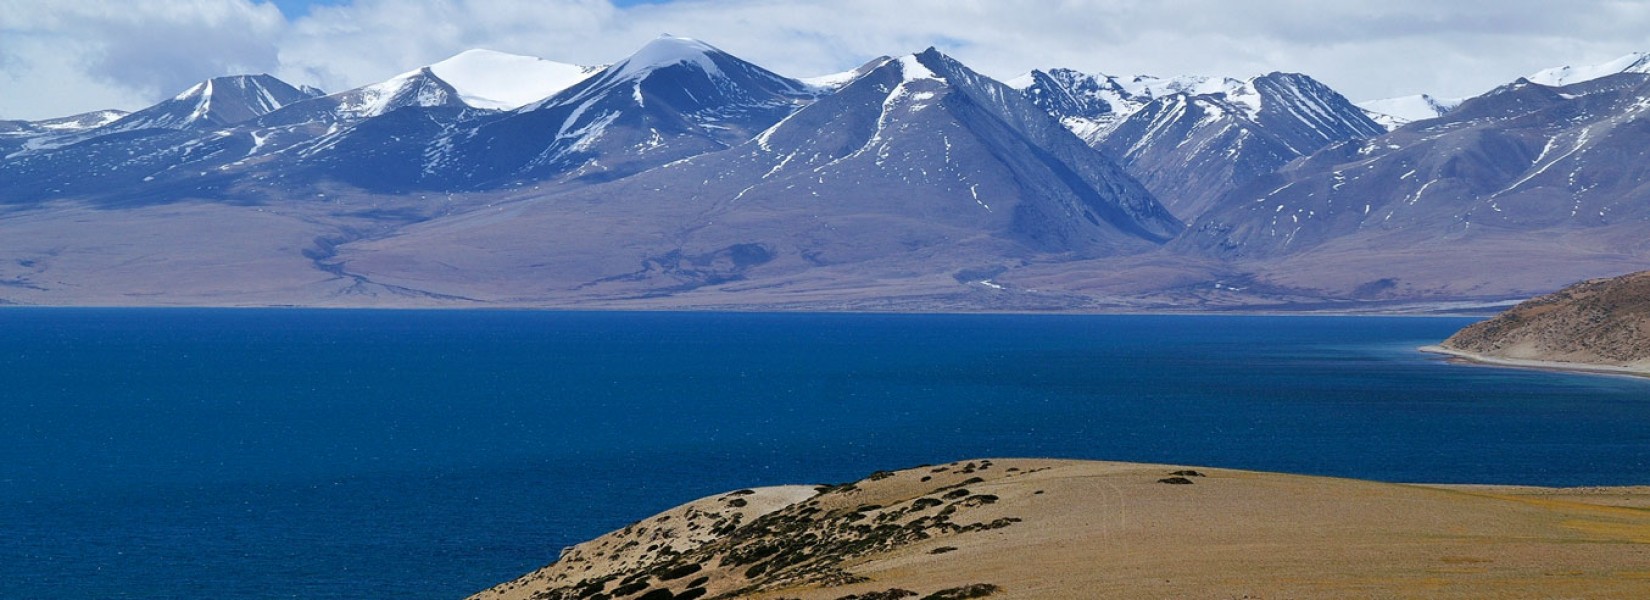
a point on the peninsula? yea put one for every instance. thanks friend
(1600, 325)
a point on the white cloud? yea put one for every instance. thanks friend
(69, 56)
(62, 56)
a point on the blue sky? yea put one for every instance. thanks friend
(298, 8)
(63, 56)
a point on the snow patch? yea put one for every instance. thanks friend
(499, 81)
(832, 82)
(914, 70)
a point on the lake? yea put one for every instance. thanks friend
(187, 453)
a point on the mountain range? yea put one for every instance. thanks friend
(684, 176)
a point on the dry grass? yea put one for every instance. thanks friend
(1112, 530)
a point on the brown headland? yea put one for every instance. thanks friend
(1596, 325)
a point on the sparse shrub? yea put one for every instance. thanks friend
(978, 590)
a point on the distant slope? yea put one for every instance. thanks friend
(1393, 113)
(920, 174)
(1596, 323)
(217, 102)
(1091, 105)
(685, 177)
(479, 79)
(673, 99)
(1637, 62)
(1524, 157)
(1191, 139)
(1042, 529)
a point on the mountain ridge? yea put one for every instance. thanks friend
(684, 176)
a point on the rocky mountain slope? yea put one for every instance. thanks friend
(1023, 529)
(1191, 139)
(919, 167)
(212, 104)
(1597, 323)
(1190, 149)
(1547, 175)
(1091, 105)
(685, 177)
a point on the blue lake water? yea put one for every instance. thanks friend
(418, 454)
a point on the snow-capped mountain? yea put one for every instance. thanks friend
(683, 170)
(825, 84)
(184, 142)
(1091, 105)
(209, 105)
(1393, 113)
(925, 128)
(69, 124)
(1402, 110)
(1523, 158)
(1637, 62)
(919, 167)
(479, 79)
(19, 134)
(674, 98)
(213, 104)
(498, 81)
(1189, 147)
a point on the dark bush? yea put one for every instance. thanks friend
(680, 572)
(978, 590)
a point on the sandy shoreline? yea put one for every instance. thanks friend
(1541, 365)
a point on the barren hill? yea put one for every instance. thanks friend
(1595, 323)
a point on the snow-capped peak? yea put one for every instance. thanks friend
(1637, 62)
(81, 122)
(1149, 87)
(667, 51)
(215, 102)
(836, 81)
(413, 88)
(500, 81)
(1396, 112)
(482, 79)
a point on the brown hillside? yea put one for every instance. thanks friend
(1602, 322)
(1021, 529)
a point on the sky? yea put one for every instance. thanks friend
(59, 57)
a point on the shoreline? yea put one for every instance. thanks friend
(1535, 365)
(1419, 313)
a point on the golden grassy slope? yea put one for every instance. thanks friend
(1068, 529)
